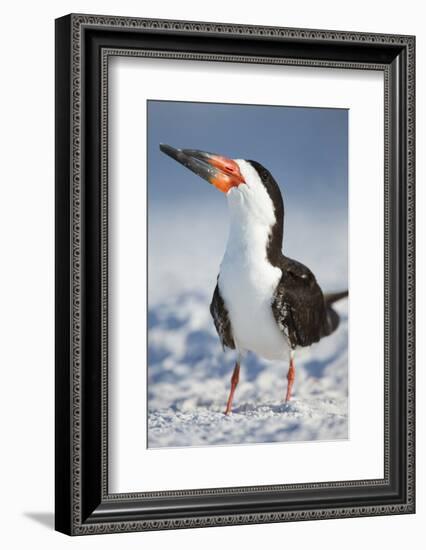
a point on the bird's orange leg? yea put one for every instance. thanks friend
(291, 375)
(234, 382)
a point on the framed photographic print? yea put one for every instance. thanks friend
(234, 274)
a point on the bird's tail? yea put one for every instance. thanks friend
(335, 296)
(333, 318)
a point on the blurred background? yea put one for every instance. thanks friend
(306, 150)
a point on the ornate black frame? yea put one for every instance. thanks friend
(83, 46)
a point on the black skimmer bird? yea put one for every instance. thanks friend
(263, 302)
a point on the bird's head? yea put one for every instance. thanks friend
(253, 195)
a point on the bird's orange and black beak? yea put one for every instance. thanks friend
(222, 172)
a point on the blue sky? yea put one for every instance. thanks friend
(304, 148)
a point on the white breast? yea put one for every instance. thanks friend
(247, 291)
(247, 280)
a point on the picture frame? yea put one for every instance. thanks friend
(84, 45)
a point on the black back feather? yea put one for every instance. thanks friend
(221, 320)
